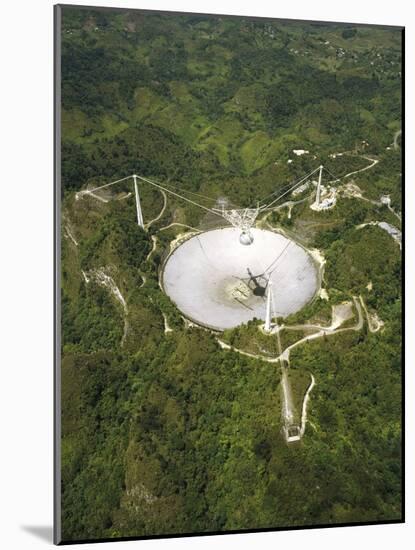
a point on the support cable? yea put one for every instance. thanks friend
(105, 185)
(286, 187)
(214, 211)
(179, 196)
(336, 178)
(276, 260)
(177, 187)
(268, 207)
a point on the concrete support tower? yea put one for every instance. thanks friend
(267, 326)
(138, 204)
(318, 186)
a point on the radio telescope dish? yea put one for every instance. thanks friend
(219, 283)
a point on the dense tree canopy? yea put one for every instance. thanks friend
(162, 430)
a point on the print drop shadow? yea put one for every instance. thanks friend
(43, 532)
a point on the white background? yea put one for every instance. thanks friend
(26, 272)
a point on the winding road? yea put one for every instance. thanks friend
(285, 355)
(288, 411)
(372, 161)
(154, 240)
(147, 225)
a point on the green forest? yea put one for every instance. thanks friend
(163, 430)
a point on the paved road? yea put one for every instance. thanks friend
(154, 239)
(372, 161)
(147, 225)
(285, 355)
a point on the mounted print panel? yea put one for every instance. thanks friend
(228, 264)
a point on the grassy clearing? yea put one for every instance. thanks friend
(258, 151)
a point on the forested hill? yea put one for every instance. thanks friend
(195, 98)
(163, 430)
